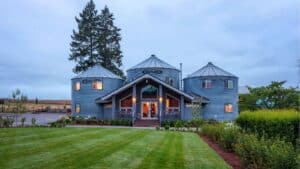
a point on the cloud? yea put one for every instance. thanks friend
(256, 40)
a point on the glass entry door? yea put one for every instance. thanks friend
(149, 110)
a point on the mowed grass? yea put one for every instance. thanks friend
(104, 148)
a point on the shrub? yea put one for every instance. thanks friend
(228, 136)
(260, 153)
(271, 123)
(167, 127)
(6, 122)
(23, 119)
(157, 128)
(212, 131)
(33, 121)
(178, 125)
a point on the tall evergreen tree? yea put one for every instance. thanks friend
(84, 41)
(109, 43)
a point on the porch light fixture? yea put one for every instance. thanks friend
(133, 100)
(160, 99)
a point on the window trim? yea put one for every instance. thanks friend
(226, 85)
(226, 104)
(205, 86)
(98, 81)
(75, 86)
(172, 108)
(125, 108)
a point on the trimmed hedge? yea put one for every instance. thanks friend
(271, 123)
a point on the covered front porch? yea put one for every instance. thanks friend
(145, 98)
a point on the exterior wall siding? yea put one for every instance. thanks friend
(218, 96)
(160, 73)
(86, 96)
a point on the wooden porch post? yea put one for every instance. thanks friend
(182, 107)
(160, 102)
(113, 107)
(133, 102)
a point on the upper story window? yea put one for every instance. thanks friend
(77, 108)
(97, 84)
(126, 105)
(206, 83)
(169, 81)
(77, 86)
(228, 84)
(172, 104)
(149, 92)
(228, 108)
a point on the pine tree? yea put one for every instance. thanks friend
(84, 41)
(109, 43)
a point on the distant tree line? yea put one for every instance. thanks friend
(273, 96)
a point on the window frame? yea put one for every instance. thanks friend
(205, 85)
(75, 85)
(95, 81)
(124, 110)
(77, 105)
(172, 108)
(225, 109)
(226, 85)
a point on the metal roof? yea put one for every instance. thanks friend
(210, 70)
(97, 71)
(146, 76)
(153, 62)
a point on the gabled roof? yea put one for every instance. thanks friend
(210, 70)
(153, 62)
(97, 71)
(146, 76)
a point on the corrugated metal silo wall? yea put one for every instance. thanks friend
(86, 95)
(159, 73)
(217, 95)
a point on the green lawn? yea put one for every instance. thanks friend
(104, 148)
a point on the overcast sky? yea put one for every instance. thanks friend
(259, 41)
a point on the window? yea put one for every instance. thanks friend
(169, 81)
(228, 84)
(77, 86)
(228, 108)
(97, 84)
(149, 92)
(206, 84)
(172, 104)
(77, 108)
(126, 105)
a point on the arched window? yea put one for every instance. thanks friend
(172, 104)
(126, 104)
(149, 92)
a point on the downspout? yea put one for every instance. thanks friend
(180, 77)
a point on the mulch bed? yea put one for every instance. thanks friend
(229, 157)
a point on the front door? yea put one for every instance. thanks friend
(149, 110)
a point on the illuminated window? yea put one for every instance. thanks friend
(77, 108)
(206, 84)
(97, 84)
(126, 105)
(228, 108)
(172, 104)
(77, 86)
(228, 84)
